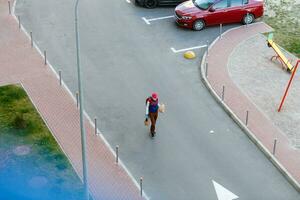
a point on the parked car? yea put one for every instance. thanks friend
(155, 3)
(197, 14)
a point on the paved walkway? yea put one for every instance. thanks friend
(19, 63)
(265, 83)
(262, 131)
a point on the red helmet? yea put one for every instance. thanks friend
(154, 95)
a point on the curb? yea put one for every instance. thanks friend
(245, 129)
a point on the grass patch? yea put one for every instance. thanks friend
(284, 17)
(21, 124)
(18, 116)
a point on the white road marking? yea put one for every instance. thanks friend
(186, 49)
(147, 22)
(128, 1)
(223, 193)
(160, 18)
(155, 19)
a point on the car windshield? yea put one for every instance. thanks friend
(203, 4)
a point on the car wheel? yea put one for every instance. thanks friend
(198, 25)
(150, 3)
(248, 18)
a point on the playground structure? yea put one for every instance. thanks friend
(288, 86)
(279, 55)
(285, 64)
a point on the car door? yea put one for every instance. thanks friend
(235, 11)
(218, 13)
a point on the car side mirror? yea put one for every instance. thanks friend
(212, 9)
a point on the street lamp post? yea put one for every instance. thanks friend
(82, 130)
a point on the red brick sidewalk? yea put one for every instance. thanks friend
(260, 129)
(19, 63)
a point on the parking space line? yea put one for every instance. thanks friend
(186, 49)
(146, 21)
(157, 18)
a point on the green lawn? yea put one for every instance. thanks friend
(21, 125)
(284, 17)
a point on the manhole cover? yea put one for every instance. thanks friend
(38, 182)
(22, 150)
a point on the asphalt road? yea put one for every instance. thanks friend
(124, 60)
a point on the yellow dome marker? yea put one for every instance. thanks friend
(189, 55)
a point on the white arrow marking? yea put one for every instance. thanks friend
(223, 193)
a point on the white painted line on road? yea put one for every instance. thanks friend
(157, 18)
(147, 22)
(160, 18)
(223, 193)
(128, 1)
(186, 49)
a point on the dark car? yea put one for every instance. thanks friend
(155, 3)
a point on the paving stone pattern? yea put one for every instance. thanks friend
(258, 122)
(264, 82)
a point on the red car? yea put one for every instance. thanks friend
(196, 14)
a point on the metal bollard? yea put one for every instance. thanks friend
(77, 99)
(206, 69)
(141, 185)
(9, 9)
(59, 73)
(223, 93)
(221, 27)
(31, 39)
(117, 154)
(19, 19)
(45, 56)
(247, 117)
(95, 123)
(274, 147)
(207, 46)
